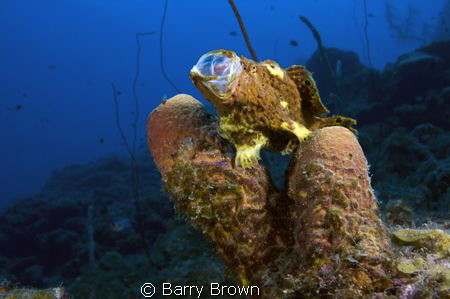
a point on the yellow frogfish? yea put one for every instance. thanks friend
(261, 105)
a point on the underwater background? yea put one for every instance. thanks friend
(70, 70)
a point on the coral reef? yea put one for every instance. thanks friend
(403, 128)
(403, 120)
(44, 240)
(323, 237)
(350, 65)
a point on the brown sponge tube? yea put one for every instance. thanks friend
(337, 228)
(321, 237)
(228, 203)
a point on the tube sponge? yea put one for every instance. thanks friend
(322, 237)
(337, 226)
(228, 204)
(177, 121)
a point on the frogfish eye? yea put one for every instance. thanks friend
(219, 71)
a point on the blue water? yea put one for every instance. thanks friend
(59, 58)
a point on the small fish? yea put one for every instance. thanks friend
(119, 93)
(370, 15)
(142, 84)
(101, 140)
(18, 107)
(51, 67)
(293, 43)
(233, 33)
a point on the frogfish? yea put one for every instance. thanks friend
(261, 105)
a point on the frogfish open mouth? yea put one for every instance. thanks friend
(218, 71)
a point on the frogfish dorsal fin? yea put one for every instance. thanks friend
(313, 110)
(311, 103)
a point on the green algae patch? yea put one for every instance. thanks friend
(435, 240)
(315, 166)
(410, 266)
(441, 273)
(55, 293)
